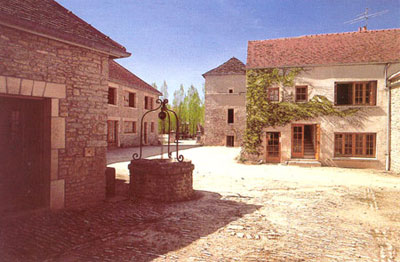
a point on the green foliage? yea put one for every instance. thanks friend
(189, 107)
(261, 113)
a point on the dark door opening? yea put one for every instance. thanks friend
(24, 153)
(112, 133)
(304, 141)
(230, 141)
(145, 135)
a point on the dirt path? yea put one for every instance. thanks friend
(241, 213)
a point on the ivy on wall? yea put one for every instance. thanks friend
(261, 113)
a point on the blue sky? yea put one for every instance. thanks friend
(179, 40)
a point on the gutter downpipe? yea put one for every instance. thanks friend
(389, 108)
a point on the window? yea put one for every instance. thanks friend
(132, 100)
(130, 127)
(148, 102)
(230, 141)
(273, 94)
(355, 93)
(152, 127)
(355, 144)
(230, 116)
(112, 96)
(230, 91)
(301, 93)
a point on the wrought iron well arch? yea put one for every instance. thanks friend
(165, 113)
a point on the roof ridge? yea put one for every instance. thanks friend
(138, 78)
(327, 34)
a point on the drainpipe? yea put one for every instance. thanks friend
(389, 108)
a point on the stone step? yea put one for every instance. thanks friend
(303, 162)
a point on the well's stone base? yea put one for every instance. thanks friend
(161, 180)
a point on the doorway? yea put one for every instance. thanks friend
(305, 141)
(230, 141)
(112, 133)
(273, 148)
(24, 153)
(145, 134)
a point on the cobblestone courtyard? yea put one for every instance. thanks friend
(241, 213)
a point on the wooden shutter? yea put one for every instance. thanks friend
(373, 93)
(335, 102)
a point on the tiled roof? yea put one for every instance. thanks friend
(232, 66)
(50, 19)
(342, 48)
(120, 74)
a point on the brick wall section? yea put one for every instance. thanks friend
(161, 180)
(395, 130)
(85, 74)
(217, 102)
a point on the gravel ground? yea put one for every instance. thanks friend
(240, 213)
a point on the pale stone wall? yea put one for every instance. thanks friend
(395, 130)
(321, 80)
(217, 103)
(76, 81)
(121, 113)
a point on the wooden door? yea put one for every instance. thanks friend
(317, 141)
(23, 180)
(230, 141)
(145, 136)
(297, 141)
(112, 133)
(273, 148)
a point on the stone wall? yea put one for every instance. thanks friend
(161, 180)
(217, 102)
(78, 83)
(122, 113)
(395, 130)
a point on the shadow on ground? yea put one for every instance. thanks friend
(117, 231)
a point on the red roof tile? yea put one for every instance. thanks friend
(231, 67)
(48, 18)
(120, 74)
(342, 48)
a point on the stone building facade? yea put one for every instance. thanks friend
(349, 70)
(225, 104)
(53, 98)
(129, 98)
(394, 84)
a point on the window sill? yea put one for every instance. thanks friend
(356, 158)
(113, 105)
(355, 106)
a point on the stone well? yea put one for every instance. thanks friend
(161, 180)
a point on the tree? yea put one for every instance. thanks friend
(164, 90)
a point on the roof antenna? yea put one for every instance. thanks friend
(364, 17)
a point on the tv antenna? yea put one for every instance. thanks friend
(364, 16)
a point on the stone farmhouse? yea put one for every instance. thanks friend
(54, 94)
(350, 69)
(129, 97)
(225, 98)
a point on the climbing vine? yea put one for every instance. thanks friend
(261, 113)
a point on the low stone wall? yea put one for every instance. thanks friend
(161, 180)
